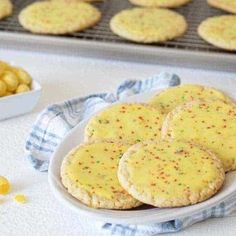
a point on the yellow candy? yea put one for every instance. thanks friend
(3, 67)
(11, 81)
(20, 198)
(8, 93)
(3, 88)
(4, 185)
(22, 88)
(23, 76)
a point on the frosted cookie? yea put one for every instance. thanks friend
(131, 123)
(208, 123)
(160, 3)
(148, 25)
(58, 17)
(89, 172)
(172, 97)
(219, 31)
(227, 5)
(5, 8)
(173, 174)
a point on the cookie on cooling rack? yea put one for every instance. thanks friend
(170, 98)
(210, 123)
(227, 5)
(148, 25)
(219, 31)
(6, 8)
(170, 174)
(68, 1)
(58, 17)
(89, 172)
(160, 3)
(129, 122)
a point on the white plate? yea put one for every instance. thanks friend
(143, 214)
(19, 104)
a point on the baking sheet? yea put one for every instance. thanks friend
(99, 41)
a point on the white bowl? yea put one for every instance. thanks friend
(143, 214)
(19, 104)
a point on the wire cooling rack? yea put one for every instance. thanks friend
(99, 41)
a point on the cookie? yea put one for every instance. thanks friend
(130, 123)
(227, 5)
(170, 98)
(148, 25)
(208, 123)
(68, 1)
(219, 31)
(6, 8)
(160, 3)
(89, 172)
(165, 174)
(58, 17)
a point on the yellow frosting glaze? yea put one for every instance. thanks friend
(93, 167)
(212, 124)
(172, 97)
(126, 122)
(171, 170)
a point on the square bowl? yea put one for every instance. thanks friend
(19, 104)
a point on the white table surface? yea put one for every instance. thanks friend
(61, 78)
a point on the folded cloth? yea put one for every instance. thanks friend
(57, 120)
(222, 209)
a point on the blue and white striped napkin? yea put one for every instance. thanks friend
(57, 120)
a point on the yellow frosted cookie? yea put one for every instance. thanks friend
(58, 17)
(227, 5)
(208, 123)
(219, 31)
(148, 25)
(173, 174)
(131, 123)
(89, 172)
(170, 98)
(5, 8)
(160, 3)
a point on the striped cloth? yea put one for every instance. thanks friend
(57, 120)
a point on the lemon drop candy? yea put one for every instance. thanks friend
(3, 67)
(11, 81)
(20, 198)
(23, 76)
(22, 88)
(3, 88)
(4, 185)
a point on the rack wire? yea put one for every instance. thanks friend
(195, 12)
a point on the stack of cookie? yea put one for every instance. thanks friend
(150, 23)
(220, 31)
(173, 151)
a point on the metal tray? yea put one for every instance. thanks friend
(188, 51)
